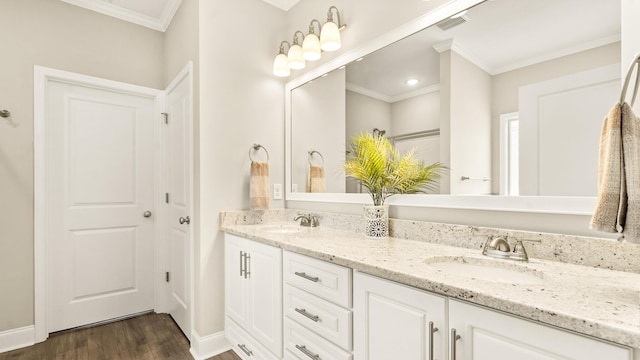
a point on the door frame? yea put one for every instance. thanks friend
(42, 76)
(185, 73)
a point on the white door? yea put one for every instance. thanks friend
(177, 140)
(101, 182)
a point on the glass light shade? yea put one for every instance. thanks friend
(281, 66)
(311, 47)
(330, 37)
(296, 61)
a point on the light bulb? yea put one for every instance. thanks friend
(330, 37)
(280, 66)
(311, 47)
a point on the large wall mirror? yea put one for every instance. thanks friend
(510, 95)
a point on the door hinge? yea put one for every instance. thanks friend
(166, 117)
(166, 197)
(167, 276)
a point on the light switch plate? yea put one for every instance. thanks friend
(277, 191)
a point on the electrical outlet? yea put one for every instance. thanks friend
(277, 191)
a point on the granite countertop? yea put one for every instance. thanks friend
(597, 302)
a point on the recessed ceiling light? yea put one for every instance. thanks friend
(411, 82)
(360, 59)
(325, 75)
(342, 67)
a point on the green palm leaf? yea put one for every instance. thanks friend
(384, 171)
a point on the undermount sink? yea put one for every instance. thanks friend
(282, 229)
(490, 270)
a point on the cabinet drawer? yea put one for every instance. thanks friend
(322, 317)
(329, 281)
(302, 344)
(243, 344)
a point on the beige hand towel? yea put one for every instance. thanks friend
(315, 179)
(259, 186)
(606, 217)
(618, 208)
(631, 176)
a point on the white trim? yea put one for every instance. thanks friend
(17, 338)
(391, 99)
(41, 77)
(368, 92)
(417, 92)
(455, 46)
(208, 346)
(106, 8)
(504, 148)
(282, 4)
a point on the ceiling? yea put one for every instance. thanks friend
(282, 4)
(498, 36)
(154, 14)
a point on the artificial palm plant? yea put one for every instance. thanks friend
(384, 171)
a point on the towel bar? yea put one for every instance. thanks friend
(463, 178)
(257, 147)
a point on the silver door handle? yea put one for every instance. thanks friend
(304, 313)
(303, 349)
(147, 214)
(305, 276)
(243, 347)
(454, 339)
(432, 330)
(184, 220)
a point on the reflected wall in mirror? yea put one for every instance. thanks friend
(510, 95)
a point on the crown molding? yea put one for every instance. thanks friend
(417, 92)
(109, 9)
(367, 92)
(282, 4)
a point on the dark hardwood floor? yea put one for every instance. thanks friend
(147, 337)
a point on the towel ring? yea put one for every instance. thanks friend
(257, 147)
(634, 64)
(5, 113)
(311, 152)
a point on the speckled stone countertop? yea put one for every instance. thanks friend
(598, 302)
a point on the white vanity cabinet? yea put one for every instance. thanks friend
(490, 335)
(317, 309)
(394, 321)
(253, 298)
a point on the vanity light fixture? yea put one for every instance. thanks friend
(330, 33)
(311, 45)
(281, 63)
(294, 57)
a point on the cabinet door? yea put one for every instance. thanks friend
(235, 283)
(391, 321)
(264, 273)
(491, 335)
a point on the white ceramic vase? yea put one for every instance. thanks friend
(376, 221)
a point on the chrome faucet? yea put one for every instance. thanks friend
(498, 247)
(308, 220)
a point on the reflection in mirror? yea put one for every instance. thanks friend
(510, 95)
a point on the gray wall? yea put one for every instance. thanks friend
(61, 36)
(242, 103)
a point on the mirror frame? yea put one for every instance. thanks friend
(566, 205)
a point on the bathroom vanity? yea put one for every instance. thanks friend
(325, 293)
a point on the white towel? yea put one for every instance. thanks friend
(259, 186)
(618, 208)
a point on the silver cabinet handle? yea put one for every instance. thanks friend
(147, 214)
(303, 349)
(303, 275)
(247, 265)
(184, 220)
(304, 313)
(244, 348)
(454, 338)
(242, 254)
(432, 330)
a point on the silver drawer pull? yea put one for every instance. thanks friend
(303, 275)
(454, 338)
(432, 330)
(244, 348)
(304, 312)
(303, 349)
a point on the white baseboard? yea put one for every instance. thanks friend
(204, 347)
(17, 338)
